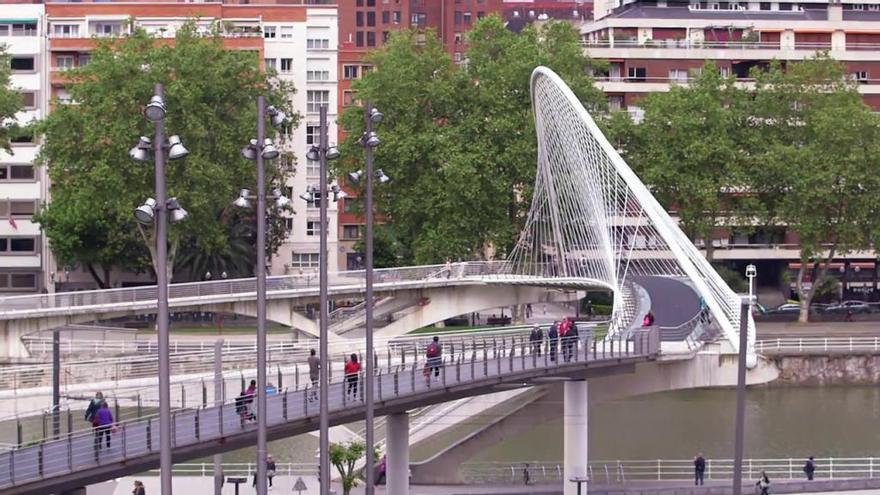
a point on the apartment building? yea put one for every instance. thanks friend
(24, 258)
(651, 45)
(365, 25)
(298, 40)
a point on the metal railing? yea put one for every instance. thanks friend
(818, 345)
(287, 365)
(620, 471)
(220, 290)
(723, 45)
(404, 378)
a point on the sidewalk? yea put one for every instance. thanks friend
(769, 330)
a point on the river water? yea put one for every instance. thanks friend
(780, 422)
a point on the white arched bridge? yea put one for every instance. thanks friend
(593, 225)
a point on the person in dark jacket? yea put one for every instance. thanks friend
(94, 405)
(270, 469)
(572, 338)
(699, 468)
(810, 468)
(763, 483)
(553, 339)
(536, 337)
(138, 489)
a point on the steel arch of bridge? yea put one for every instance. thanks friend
(592, 218)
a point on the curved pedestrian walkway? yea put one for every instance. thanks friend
(479, 368)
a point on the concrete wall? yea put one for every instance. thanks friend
(828, 370)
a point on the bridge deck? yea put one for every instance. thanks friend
(75, 460)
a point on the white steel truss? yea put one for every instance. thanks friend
(592, 218)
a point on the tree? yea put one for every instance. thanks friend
(210, 95)
(10, 102)
(344, 457)
(816, 152)
(690, 150)
(459, 142)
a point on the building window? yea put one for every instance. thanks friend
(286, 65)
(637, 74)
(678, 75)
(615, 102)
(481, 15)
(366, 69)
(11, 282)
(16, 172)
(458, 18)
(414, 19)
(359, 19)
(371, 3)
(395, 17)
(269, 32)
(347, 98)
(287, 32)
(108, 29)
(269, 63)
(371, 19)
(385, 36)
(353, 206)
(313, 132)
(313, 227)
(467, 18)
(18, 29)
(305, 260)
(860, 76)
(314, 100)
(352, 232)
(724, 71)
(371, 38)
(456, 57)
(21, 208)
(459, 38)
(359, 38)
(29, 100)
(22, 64)
(350, 72)
(64, 62)
(65, 30)
(386, 16)
(318, 44)
(318, 75)
(18, 245)
(313, 168)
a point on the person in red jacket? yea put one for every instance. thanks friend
(352, 372)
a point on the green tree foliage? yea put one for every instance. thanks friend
(459, 142)
(690, 150)
(344, 457)
(210, 94)
(815, 151)
(10, 101)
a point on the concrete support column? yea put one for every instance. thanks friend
(576, 402)
(397, 454)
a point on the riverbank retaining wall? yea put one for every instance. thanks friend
(837, 369)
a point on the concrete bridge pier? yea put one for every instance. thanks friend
(397, 452)
(575, 407)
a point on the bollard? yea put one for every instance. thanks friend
(281, 377)
(204, 394)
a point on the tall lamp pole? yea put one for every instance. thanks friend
(322, 153)
(369, 141)
(751, 273)
(259, 150)
(156, 210)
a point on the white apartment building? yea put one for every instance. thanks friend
(298, 41)
(305, 54)
(24, 257)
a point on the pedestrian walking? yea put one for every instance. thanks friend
(572, 335)
(352, 372)
(810, 468)
(552, 339)
(699, 468)
(434, 357)
(648, 321)
(536, 338)
(138, 488)
(270, 469)
(314, 374)
(527, 478)
(528, 310)
(94, 405)
(103, 425)
(589, 309)
(564, 327)
(763, 484)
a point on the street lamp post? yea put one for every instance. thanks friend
(259, 150)
(322, 153)
(157, 210)
(369, 141)
(739, 440)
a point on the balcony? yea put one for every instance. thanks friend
(683, 44)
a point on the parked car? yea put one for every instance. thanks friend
(854, 306)
(786, 308)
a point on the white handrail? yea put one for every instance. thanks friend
(814, 345)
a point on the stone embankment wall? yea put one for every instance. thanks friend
(838, 369)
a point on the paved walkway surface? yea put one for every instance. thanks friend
(284, 485)
(767, 330)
